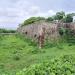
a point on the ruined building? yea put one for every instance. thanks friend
(49, 30)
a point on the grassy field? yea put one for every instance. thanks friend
(17, 53)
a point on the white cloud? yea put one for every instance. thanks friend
(16, 12)
(34, 10)
(51, 12)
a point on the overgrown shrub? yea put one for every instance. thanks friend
(64, 65)
(49, 19)
(62, 31)
(16, 57)
(68, 35)
(32, 20)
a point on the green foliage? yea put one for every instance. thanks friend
(62, 66)
(68, 18)
(49, 44)
(59, 15)
(62, 31)
(16, 57)
(70, 37)
(67, 35)
(7, 31)
(1, 37)
(49, 19)
(17, 52)
(32, 20)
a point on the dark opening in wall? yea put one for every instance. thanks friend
(67, 25)
(35, 35)
(26, 33)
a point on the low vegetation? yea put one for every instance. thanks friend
(65, 65)
(32, 20)
(19, 56)
(61, 16)
(7, 31)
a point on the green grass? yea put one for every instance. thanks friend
(17, 53)
(64, 65)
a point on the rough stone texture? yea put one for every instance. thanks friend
(51, 29)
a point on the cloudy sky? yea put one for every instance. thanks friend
(14, 12)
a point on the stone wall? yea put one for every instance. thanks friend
(51, 29)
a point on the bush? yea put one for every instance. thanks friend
(62, 66)
(70, 36)
(49, 19)
(16, 57)
(7, 31)
(32, 20)
(62, 31)
(68, 18)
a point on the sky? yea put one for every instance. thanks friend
(14, 12)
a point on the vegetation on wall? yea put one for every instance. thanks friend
(62, 31)
(60, 16)
(68, 18)
(67, 34)
(32, 20)
(70, 36)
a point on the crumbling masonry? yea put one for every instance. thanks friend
(44, 30)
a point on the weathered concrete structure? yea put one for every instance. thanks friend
(51, 29)
(33, 30)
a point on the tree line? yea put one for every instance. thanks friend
(7, 31)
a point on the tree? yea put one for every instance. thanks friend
(59, 15)
(50, 19)
(68, 18)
